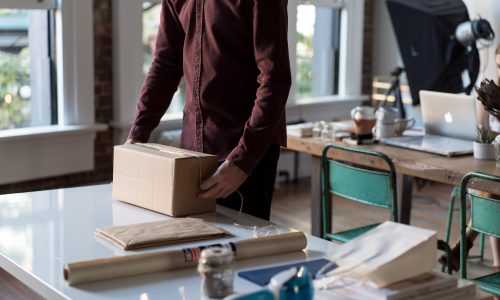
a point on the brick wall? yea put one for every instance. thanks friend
(367, 47)
(103, 112)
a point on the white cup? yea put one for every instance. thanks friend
(386, 115)
(383, 131)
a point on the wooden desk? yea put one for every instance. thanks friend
(42, 231)
(408, 163)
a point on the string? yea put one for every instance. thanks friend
(257, 230)
(239, 214)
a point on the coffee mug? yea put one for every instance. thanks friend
(400, 125)
(364, 119)
(383, 131)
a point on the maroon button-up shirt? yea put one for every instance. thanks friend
(234, 57)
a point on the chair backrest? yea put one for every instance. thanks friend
(485, 214)
(359, 183)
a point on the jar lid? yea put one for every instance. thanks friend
(215, 257)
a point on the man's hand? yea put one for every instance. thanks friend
(224, 182)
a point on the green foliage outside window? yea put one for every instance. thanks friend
(14, 73)
(304, 65)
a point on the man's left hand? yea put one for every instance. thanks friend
(224, 182)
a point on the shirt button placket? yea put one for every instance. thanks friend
(197, 77)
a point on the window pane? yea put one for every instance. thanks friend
(318, 32)
(151, 21)
(25, 84)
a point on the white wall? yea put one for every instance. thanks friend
(386, 55)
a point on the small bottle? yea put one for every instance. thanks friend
(328, 132)
(216, 268)
(318, 128)
(496, 145)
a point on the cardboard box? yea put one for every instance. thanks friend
(161, 178)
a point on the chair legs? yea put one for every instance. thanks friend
(454, 195)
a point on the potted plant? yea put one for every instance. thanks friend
(483, 147)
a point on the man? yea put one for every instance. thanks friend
(234, 57)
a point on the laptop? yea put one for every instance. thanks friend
(449, 122)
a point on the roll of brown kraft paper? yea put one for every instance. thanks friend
(136, 264)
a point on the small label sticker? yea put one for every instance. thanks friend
(191, 254)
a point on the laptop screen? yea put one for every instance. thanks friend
(449, 115)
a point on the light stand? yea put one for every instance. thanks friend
(395, 90)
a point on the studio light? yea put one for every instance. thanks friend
(437, 41)
(467, 33)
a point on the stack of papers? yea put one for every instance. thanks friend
(301, 129)
(429, 286)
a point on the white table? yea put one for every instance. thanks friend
(42, 231)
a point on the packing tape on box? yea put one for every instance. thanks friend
(144, 263)
(166, 149)
(169, 150)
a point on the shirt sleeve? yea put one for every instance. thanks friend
(270, 26)
(163, 77)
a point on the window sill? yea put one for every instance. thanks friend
(310, 109)
(328, 100)
(44, 132)
(33, 153)
(324, 108)
(174, 120)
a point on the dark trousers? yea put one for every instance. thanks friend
(258, 189)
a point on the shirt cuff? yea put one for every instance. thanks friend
(243, 160)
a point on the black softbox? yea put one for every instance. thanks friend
(433, 59)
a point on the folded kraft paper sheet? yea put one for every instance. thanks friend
(151, 234)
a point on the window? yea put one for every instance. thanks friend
(50, 98)
(27, 87)
(150, 23)
(325, 43)
(317, 51)
(325, 38)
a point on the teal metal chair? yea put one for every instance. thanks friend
(485, 218)
(358, 183)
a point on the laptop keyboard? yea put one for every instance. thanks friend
(432, 143)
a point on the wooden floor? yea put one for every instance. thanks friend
(12, 289)
(291, 207)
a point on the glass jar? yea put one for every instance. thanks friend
(216, 268)
(318, 128)
(496, 145)
(328, 132)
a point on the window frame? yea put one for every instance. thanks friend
(350, 52)
(38, 152)
(128, 55)
(29, 4)
(74, 43)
